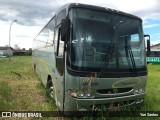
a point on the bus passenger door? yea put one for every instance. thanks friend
(59, 51)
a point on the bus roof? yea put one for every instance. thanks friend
(105, 9)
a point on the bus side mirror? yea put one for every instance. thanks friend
(148, 44)
(64, 29)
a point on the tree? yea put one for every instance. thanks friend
(16, 47)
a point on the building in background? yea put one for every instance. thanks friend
(155, 47)
(6, 51)
(22, 52)
(155, 50)
(154, 55)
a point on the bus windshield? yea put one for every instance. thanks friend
(93, 35)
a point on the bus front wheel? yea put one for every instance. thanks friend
(50, 88)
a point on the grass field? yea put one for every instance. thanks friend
(21, 89)
(152, 99)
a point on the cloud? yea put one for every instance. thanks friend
(152, 12)
(19, 34)
(157, 35)
(29, 11)
(141, 8)
(151, 25)
(26, 12)
(155, 42)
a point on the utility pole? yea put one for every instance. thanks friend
(10, 35)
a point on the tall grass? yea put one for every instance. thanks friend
(152, 98)
(20, 88)
(5, 96)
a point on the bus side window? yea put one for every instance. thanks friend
(60, 47)
(61, 15)
(59, 53)
(56, 40)
(50, 27)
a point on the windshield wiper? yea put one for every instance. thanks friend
(129, 50)
(107, 58)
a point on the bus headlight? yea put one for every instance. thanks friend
(136, 90)
(139, 90)
(85, 95)
(77, 93)
(88, 95)
(81, 95)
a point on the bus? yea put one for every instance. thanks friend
(89, 56)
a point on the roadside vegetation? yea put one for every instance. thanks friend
(21, 89)
(152, 99)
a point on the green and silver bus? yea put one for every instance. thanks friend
(89, 56)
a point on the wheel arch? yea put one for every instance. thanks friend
(49, 81)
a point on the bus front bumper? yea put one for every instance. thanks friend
(89, 104)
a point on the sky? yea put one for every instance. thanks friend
(32, 16)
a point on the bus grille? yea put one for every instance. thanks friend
(114, 91)
(114, 104)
